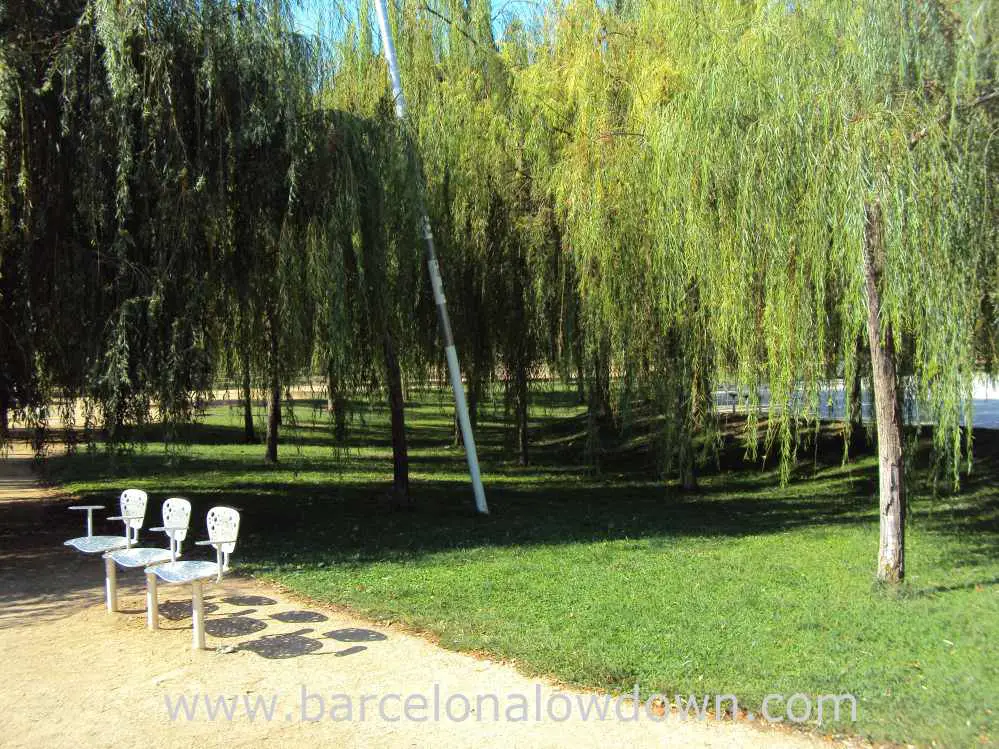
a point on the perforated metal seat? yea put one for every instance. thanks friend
(97, 544)
(177, 573)
(140, 557)
(223, 530)
(133, 513)
(176, 517)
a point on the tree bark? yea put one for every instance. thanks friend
(249, 434)
(688, 450)
(522, 395)
(855, 417)
(579, 356)
(274, 402)
(600, 393)
(891, 551)
(397, 406)
(688, 469)
(336, 403)
(4, 414)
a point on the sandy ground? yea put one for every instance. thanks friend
(74, 675)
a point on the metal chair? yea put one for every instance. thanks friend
(133, 513)
(223, 530)
(176, 517)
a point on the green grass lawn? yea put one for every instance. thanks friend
(744, 588)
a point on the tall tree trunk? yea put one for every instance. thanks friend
(855, 417)
(579, 357)
(688, 468)
(521, 395)
(274, 401)
(397, 405)
(4, 413)
(336, 404)
(474, 393)
(891, 552)
(249, 434)
(600, 395)
(689, 404)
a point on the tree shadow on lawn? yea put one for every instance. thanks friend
(551, 503)
(314, 521)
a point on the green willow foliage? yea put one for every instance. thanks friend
(713, 170)
(175, 202)
(672, 194)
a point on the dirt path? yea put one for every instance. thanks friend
(74, 675)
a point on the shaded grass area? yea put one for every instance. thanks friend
(746, 588)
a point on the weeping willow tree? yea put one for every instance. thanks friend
(45, 276)
(779, 195)
(595, 93)
(120, 185)
(493, 248)
(167, 172)
(752, 187)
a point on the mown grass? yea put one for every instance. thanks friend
(746, 588)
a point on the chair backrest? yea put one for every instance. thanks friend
(133, 505)
(223, 525)
(176, 518)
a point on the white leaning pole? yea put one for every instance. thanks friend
(435, 277)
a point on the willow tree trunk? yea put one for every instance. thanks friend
(336, 404)
(274, 401)
(4, 414)
(521, 396)
(891, 552)
(600, 395)
(688, 450)
(579, 357)
(249, 434)
(273, 420)
(397, 406)
(855, 417)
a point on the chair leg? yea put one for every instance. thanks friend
(111, 583)
(197, 616)
(152, 602)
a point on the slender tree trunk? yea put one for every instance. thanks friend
(594, 418)
(273, 420)
(856, 401)
(249, 434)
(336, 403)
(688, 450)
(4, 414)
(688, 469)
(474, 393)
(397, 405)
(600, 396)
(287, 399)
(855, 417)
(891, 552)
(522, 396)
(274, 401)
(579, 357)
